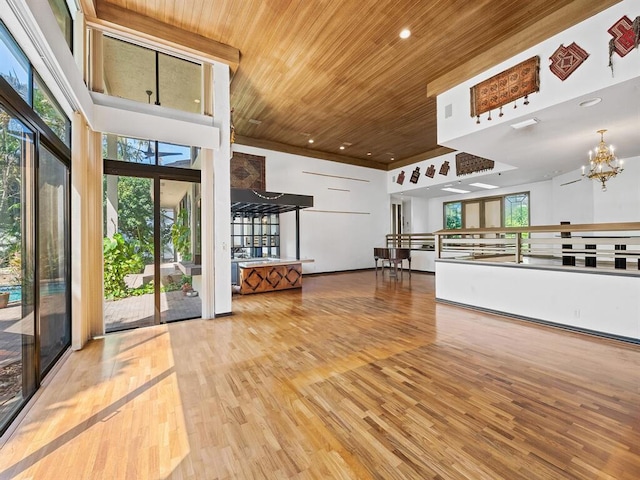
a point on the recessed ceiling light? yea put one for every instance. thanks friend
(311, 140)
(482, 185)
(392, 158)
(526, 123)
(341, 147)
(455, 190)
(591, 102)
(369, 153)
(406, 33)
(197, 100)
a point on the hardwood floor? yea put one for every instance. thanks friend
(354, 377)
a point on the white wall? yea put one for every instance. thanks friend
(562, 297)
(621, 201)
(551, 202)
(591, 35)
(438, 180)
(340, 231)
(585, 202)
(540, 198)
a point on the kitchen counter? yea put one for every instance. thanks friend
(269, 274)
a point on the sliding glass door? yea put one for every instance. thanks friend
(151, 249)
(17, 325)
(180, 277)
(53, 257)
(128, 247)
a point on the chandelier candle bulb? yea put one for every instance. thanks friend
(603, 163)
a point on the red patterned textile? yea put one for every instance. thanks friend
(623, 36)
(565, 60)
(508, 86)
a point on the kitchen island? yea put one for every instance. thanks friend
(269, 274)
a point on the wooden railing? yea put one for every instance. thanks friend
(614, 245)
(412, 241)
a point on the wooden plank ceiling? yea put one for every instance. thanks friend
(337, 72)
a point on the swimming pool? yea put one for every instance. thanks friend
(15, 291)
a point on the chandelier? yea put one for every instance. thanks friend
(603, 164)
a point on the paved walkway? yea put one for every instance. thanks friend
(138, 311)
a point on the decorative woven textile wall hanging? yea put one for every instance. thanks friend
(400, 179)
(415, 175)
(626, 37)
(444, 169)
(566, 60)
(247, 171)
(508, 86)
(431, 171)
(467, 164)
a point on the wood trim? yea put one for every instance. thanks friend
(436, 152)
(578, 227)
(567, 16)
(88, 7)
(134, 25)
(307, 152)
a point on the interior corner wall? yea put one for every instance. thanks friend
(350, 213)
(621, 201)
(572, 199)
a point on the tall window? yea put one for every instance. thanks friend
(35, 299)
(505, 211)
(453, 215)
(516, 210)
(63, 17)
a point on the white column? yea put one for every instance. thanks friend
(222, 189)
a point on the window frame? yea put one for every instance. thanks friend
(482, 201)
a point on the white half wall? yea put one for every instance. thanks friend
(350, 215)
(556, 296)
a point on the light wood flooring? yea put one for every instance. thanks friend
(354, 377)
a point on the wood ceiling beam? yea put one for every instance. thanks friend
(565, 17)
(308, 152)
(436, 152)
(88, 7)
(116, 19)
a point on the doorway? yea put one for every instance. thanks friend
(151, 248)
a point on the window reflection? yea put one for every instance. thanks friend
(45, 105)
(129, 70)
(135, 150)
(17, 333)
(14, 66)
(55, 326)
(144, 75)
(63, 17)
(180, 84)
